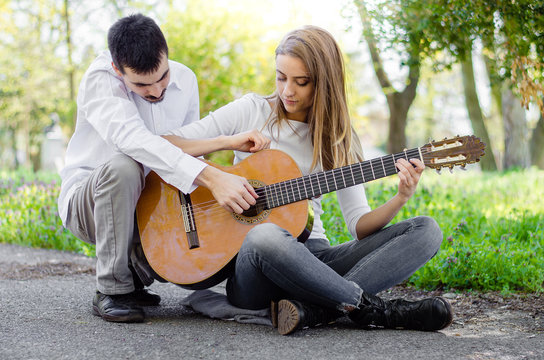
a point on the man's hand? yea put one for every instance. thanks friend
(232, 192)
(249, 141)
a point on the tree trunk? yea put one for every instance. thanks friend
(475, 114)
(36, 159)
(516, 144)
(14, 149)
(68, 39)
(398, 102)
(399, 105)
(537, 144)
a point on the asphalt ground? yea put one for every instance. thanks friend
(45, 313)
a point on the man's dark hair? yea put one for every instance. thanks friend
(138, 43)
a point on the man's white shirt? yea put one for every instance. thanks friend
(111, 120)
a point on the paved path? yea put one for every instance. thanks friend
(45, 314)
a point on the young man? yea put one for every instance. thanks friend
(128, 98)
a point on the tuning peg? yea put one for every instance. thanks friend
(438, 171)
(451, 169)
(463, 168)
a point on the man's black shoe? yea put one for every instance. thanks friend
(144, 297)
(117, 308)
(430, 314)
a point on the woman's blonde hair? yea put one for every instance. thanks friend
(328, 119)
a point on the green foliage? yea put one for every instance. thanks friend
(493, 226)
(510, 32)
(31, 83)
(229, 53)
(28, 213)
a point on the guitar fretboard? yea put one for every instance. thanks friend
(316, 184)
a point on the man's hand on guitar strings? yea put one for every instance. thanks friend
(409, 175)
(232, 192)
(249, 141)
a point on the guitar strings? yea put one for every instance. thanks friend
(327, 176)
(214, 211)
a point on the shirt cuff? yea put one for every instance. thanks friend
(185, 173)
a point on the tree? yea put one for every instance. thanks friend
(38, 69)
(511, 33)
(29, 67)
(229, 53)
(399, 102)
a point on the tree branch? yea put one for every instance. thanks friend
(374, 52)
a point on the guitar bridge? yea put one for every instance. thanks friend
(188, 220)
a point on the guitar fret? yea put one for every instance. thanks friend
(321, 191)
(362, 171)
(292, 189)
(395, 163)
(372, 168)
(369, 173)
(286, 194)
(305, 182)
(270, 197)
(311, 185)
(326, 181)
(390, 172)
(300, 196)
(343, 178)
(352, 176)
(266, 197)
(290, 182)
(384, 172)
(302, 179)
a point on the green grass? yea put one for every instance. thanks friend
(493, 225)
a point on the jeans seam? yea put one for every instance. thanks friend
(380, 250)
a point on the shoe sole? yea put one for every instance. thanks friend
(274, 313)
(288, 317)
(121, 319)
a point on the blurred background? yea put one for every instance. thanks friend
(417, 69)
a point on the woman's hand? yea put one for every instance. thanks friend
(382, 215)
(249, 141)
(408, 177)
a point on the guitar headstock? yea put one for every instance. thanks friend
(457, 151)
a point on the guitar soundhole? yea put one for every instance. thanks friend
(255, 214)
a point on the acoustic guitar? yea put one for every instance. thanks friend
(192, 241)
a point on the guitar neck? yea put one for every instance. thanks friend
(316, 184)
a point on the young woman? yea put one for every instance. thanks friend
(313, 282)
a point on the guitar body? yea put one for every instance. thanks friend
(220, 234)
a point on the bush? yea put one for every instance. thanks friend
(28, 213)
(493, 225)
